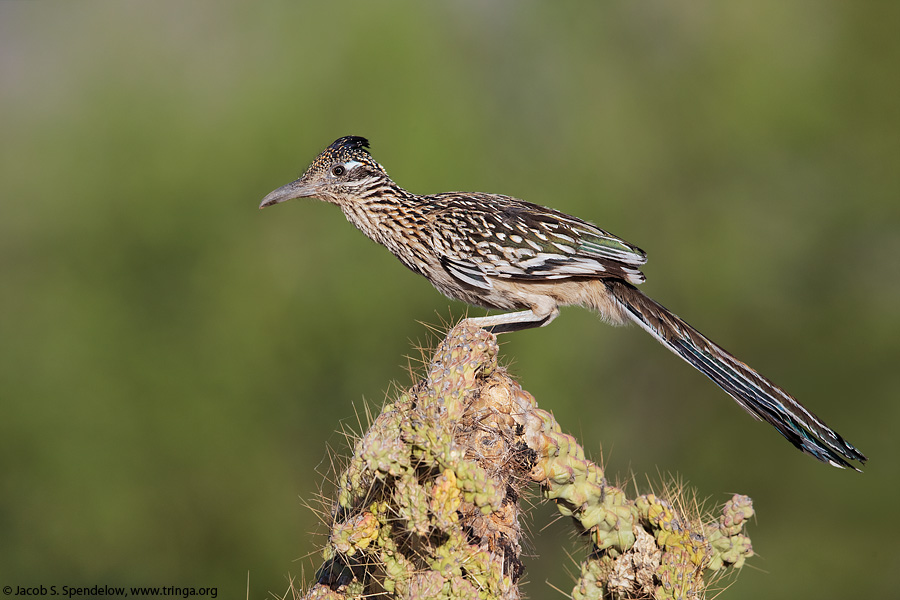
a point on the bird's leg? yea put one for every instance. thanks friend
(514, 321)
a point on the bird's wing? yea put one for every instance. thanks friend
(478, 235)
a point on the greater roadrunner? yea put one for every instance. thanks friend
(504, 253)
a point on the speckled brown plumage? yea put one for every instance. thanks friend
(503, 253)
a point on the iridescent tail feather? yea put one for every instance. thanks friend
(756, 394)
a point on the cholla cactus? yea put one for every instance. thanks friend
(428, 506)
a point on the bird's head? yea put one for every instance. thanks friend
(343, 171)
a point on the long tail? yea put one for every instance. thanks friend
(759, 396)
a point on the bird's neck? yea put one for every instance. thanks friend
(392, 217)
(376, 210)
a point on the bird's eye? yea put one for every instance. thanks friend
(338, 170)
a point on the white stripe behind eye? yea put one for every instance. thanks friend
(351, 164)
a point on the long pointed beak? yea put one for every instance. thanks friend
(295, 189)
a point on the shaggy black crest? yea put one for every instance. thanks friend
(350, 142)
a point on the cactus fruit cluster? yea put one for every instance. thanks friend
(428, 506)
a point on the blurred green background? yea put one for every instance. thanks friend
(175, 363)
